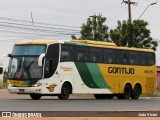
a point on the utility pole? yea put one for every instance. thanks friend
(129, 7)
(94, 18)
(32, 19)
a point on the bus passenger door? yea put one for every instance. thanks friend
(50, 69)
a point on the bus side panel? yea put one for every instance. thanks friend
(92, 77)
(116, 76)
(84, 77)
(103, 78)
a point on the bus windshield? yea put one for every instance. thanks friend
(25, 68)
(24, 62)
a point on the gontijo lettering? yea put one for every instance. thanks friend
(120, 70)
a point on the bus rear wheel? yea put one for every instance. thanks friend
(35, 96)
(136, 92)
(126, 93)
(65, 92)
(100, 96)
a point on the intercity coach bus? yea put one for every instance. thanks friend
(55, 68)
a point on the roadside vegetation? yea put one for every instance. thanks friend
(3, 80)
(127, 33)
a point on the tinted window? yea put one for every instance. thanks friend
(82, 54)
(106, 55)
(122, 57)
(29, 49)
(67, 53)
(143, 58)
(96, 55)
(151, 58)
(134, 58)
(109, 56)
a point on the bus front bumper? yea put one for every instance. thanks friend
(25, 90)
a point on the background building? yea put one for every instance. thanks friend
(158, 77)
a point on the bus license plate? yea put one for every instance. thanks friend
(21, 90)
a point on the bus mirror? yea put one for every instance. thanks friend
(1, 69)
(6, 55)
(40, 59)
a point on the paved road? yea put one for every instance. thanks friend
(13, 102)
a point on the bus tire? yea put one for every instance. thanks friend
(109, 96)
(65, 91)
(35, 96)
(136, 91)
(100, 96)
(126, 93)
(120, 96)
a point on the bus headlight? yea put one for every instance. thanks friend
(10, 85)
(37, 85)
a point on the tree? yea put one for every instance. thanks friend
(133, 34)
(94, 29)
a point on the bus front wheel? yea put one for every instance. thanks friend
(65, 92)
(35, 96)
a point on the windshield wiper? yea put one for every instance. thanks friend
(26, 69)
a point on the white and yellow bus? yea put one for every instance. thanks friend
(56, 68)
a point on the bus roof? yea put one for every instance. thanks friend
(109, 45)
(43, 42)
(84, 43)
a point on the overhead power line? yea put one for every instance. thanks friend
(40, 28)
(36, 22)
(16, 28)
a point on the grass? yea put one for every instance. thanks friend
(0, 84)
(3, 85)
(156, 93)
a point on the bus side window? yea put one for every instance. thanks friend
(64, 56)
(109, 56)
(151, 58)
(143, 58)
(96, 55)
(67, 53)
(122, 57)
(134, 58)
(82, 54)
(131, 61)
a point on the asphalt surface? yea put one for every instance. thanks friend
(14, 102)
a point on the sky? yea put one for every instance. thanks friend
(58, 19)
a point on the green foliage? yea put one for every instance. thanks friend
(5, 80)
(128, 33)
(94, 29)
(133, 34)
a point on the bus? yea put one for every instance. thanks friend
(55, 68)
